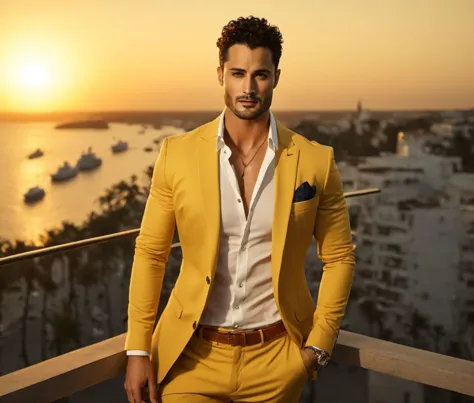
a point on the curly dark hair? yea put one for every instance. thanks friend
(253, 32)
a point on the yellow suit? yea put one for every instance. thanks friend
(185, 193)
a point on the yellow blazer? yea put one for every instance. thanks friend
(185, 193)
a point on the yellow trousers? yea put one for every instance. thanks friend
(207, 372)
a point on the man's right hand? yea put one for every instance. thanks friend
(139, 375)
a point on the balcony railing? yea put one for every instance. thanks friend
(72, 372)
(75, 371)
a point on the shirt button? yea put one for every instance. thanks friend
(240, 201)
(242, 248)
(241, 285)
(194, 325)
(208, 280)
(237, 307)
(236, 326)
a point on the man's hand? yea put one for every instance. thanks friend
(140, 375)
(309, 360)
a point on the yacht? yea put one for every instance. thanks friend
(120, 147)
(88, 161)
(36, 154)
(34, 194)
(64, 173)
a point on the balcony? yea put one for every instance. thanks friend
(78, 370)
(75, 371)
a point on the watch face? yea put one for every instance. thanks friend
(324, 359)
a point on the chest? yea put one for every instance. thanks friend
(248, 178)
(251, 217)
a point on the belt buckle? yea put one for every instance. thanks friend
(230, 338)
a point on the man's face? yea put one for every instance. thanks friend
(248, 78)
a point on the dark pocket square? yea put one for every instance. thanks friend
(304, 192)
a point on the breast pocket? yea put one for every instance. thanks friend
(302, 220)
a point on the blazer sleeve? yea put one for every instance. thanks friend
(152, 249)
(334, 244)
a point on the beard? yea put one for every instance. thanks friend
(248, 113)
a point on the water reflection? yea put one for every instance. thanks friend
(72, 200)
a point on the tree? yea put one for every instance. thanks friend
(65, 329)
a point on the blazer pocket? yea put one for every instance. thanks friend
(174, 305)
(302, 206)
(303, 312)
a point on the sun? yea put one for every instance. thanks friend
(33, 79)
(35, 76)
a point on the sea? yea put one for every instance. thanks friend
(75, 199)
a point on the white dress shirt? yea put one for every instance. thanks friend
(241, 294)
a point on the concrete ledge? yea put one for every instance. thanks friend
(66, 374)
(405, 362)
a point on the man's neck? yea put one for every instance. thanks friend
(246, 134)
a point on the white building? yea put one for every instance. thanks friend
(415, 249)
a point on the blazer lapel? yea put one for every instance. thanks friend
(286, 165)
(208, 172)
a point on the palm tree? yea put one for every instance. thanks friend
(49, 287)
(71, 233)
(65, 329)
(87, 277)
(9, 280)
(121, 208)
(28, 272)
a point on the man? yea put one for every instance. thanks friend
(246, 195)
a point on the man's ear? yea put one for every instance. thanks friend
(220, 75)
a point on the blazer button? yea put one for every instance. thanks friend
(194, 325)
(208, 280)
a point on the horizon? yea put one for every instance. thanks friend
(219, 110)
(110, 56)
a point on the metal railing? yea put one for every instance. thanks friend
(110, 237)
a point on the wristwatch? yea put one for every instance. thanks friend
(322, 357)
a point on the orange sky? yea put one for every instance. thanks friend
(152, 54)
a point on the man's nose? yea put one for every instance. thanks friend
(249, 86)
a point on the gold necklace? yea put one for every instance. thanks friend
(251, 159)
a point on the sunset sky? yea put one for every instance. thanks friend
(92, 55)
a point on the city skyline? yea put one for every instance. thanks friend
(112, 56)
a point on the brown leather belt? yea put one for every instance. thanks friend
(242, 337)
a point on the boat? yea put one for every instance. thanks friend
(120, 147)
(64, 173)
(36, 154)
(34, 195)
(88, 161)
